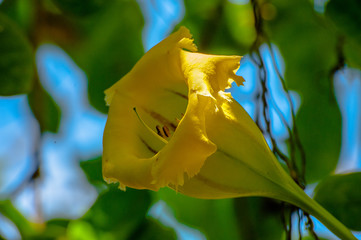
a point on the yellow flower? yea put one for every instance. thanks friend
(172, 124)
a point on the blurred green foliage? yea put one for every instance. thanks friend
(345, 15)
(45, 109)
(105, 39)
(8, 210)
(16, 62)
(259, 218)
(215, 218)
(309, 51)
(110, 45)
(340, 196)
(80, 8)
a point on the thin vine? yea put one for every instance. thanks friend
(263, 99)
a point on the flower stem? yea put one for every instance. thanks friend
(302, 200)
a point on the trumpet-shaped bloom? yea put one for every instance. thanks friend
(171, 124)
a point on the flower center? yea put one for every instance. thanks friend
(164, 131)
(160, 115)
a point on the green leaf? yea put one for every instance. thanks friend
(212, 26)
(45, 109)
(110, 45)
(249, 213)
(197, 16)
(240, 22)
(16, 59)
(118, 212)
(340, 195)
(214, 218)
(54, 229)
(93, 170)
(8, 210)
(346, 16)
(20, 11)
(151, 229)
(81, 230)
(309, 52)
(308, 237)
(80, 8)
(352, 52)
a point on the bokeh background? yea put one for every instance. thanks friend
(301, 63)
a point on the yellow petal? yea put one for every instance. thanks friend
(128, 164)
(243, 165)
(214, 151)
(210, 73)
(188, 148)
(157, 89)
(165, 84)
(158, 70)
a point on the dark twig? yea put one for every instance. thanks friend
(299, 217)
(310, 226)
(263, 98)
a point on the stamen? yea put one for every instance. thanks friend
(178, 93)
(161, 119)
(160, 131)
(148, 128)
(163, 132)
(166, 131)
